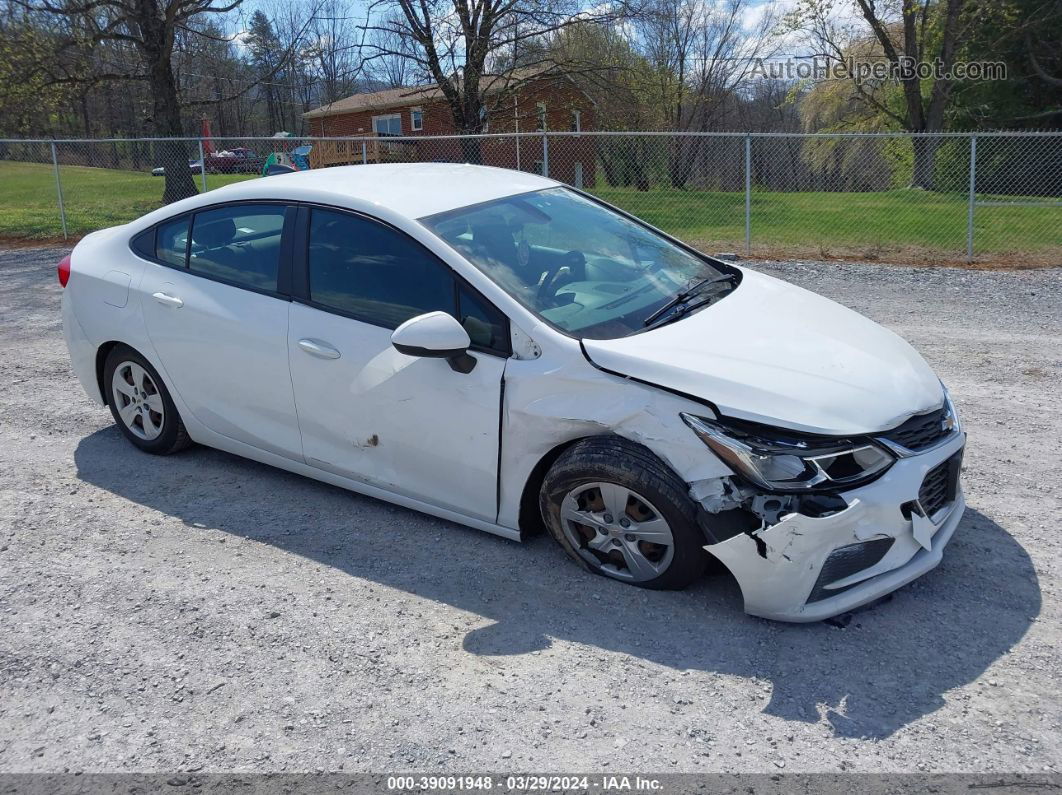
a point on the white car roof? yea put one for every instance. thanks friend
(413, 190)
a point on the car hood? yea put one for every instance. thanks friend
(775, 353)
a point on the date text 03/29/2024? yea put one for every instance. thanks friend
(524, 783)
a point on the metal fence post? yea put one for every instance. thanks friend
(972, 200)
(748, 195)
(202, 166)
(545, 155)
(364, 154)
(59, 190)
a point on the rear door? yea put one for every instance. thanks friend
(409, 425)
(216, 306)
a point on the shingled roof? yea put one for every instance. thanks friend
(414, 95)
(377, 100)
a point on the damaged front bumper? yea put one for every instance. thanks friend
(807, 568)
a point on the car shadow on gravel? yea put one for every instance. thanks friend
(892, 664)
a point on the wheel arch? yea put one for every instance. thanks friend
(652, 479)
(102, 352)
(530, 518)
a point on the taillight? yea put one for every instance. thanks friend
(64, 270)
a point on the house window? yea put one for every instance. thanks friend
(577, 125)
(541, 112)
(416, 119)
(389, 125)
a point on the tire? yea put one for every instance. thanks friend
(596, 473)
(141, 404)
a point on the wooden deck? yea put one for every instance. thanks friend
(360, 150)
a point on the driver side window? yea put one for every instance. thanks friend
(372, 272)
(378, 275)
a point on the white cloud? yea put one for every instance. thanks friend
(239, 39)
(844, 16)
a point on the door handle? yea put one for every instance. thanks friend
(322, 350)
(168, 300)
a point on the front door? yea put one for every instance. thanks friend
(219, 324)
(405, 424)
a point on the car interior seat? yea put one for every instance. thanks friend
(494, 240)
(216, 251)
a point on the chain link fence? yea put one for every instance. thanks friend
(988, 198)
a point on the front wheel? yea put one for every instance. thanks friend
(618, 510)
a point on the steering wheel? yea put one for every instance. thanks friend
(574, 261)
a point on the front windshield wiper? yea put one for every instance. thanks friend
(682, 311)
(685, 295)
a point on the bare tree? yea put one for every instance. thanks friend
(395, 62)
(469, 49)
(315, 57)
(329, 53)
(701, 52)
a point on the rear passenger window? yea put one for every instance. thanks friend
(373, 272)
(239, 244)
(144, 243)
(171, 242)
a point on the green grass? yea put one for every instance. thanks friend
(93, 197)
(871, 224)
(901, 225)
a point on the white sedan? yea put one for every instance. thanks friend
(503, 351)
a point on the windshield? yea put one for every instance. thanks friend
(580, 266)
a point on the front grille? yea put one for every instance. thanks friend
(921, 431)
(940, 485)
(846, 561)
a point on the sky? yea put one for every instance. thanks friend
(789, 45)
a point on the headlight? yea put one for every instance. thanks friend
(780, 461)
(951, 416)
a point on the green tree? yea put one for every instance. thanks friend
(29, 101)
(267, 58)
(1024, 35)
(910, 32)
(150, 27)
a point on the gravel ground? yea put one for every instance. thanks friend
(202, 612)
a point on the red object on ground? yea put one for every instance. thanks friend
(208, 144)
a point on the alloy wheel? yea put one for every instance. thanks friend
(138, 401)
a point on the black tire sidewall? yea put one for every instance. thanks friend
(617, 460)
(172, 429)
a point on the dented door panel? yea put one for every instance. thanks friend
(405, 424)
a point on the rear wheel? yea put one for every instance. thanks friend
(141, 405)
(619, 511)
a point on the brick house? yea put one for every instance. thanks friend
(544, 101)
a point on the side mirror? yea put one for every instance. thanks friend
(435, 335)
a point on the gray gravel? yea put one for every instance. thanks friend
(206, 612)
